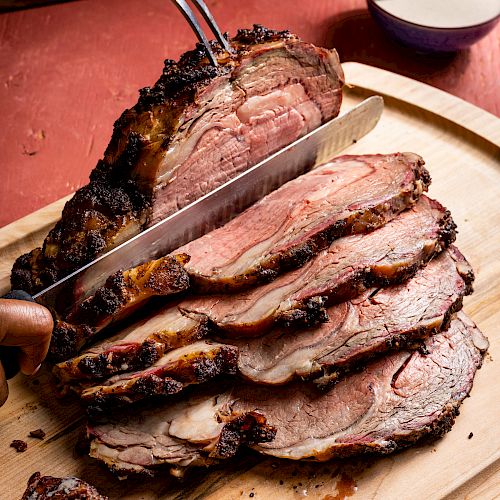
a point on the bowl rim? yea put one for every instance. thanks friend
(426, 26)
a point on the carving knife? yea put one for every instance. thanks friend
(218, 206)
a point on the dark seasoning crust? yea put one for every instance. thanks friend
(165, 276)
(182, 78)
(136, 356)
(249, 429)
(19, 445)
(55, 488)
(313, 311)
(113, 198)
(191, 369)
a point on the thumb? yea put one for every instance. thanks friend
(28, 326)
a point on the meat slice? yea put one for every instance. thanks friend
(196, 128)
(345, 269)
(57, 488)
(374, 322)
(348, 267)
(176, 370)
(350, 194)
(198, 431)
(393, 403)
(378, 320)
(136, 347)
(122, 294)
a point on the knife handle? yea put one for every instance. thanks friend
(8, 355)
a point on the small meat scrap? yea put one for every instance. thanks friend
(19, 445)
(67, 488)
(38, 434)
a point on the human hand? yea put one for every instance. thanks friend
(27, 326)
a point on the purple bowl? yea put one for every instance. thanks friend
(427, 38)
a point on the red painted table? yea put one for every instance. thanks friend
(67, 72)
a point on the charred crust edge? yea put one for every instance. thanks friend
(250, 428)
(200, 369)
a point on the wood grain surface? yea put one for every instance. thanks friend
(68, 71)
(465, 167)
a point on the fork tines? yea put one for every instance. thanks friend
(193, 22)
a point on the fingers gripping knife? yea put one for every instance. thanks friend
(8, 355)
(220, 205)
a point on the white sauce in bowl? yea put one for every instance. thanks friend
(442, 13)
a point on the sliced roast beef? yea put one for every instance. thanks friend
(374, 322)
(196, 128)
(346, 268)
(348, 195)
(378, 320)
(136, 347)
(59, 488)
(349, 266)
(319, 206)
(393, 403)
(122, 293)
(192, 432)
(173, 372)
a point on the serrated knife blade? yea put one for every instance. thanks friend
(221, 204)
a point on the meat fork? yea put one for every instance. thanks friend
(183, 6)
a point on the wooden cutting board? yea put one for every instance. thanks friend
(461, 146)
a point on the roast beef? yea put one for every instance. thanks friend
(137, 346)
(314, 209)
(122, 293)
(349, 266)
(348, 195)
(393, 403)
(346, 268)
(378, 320)
(196, 128)
(59, 488)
